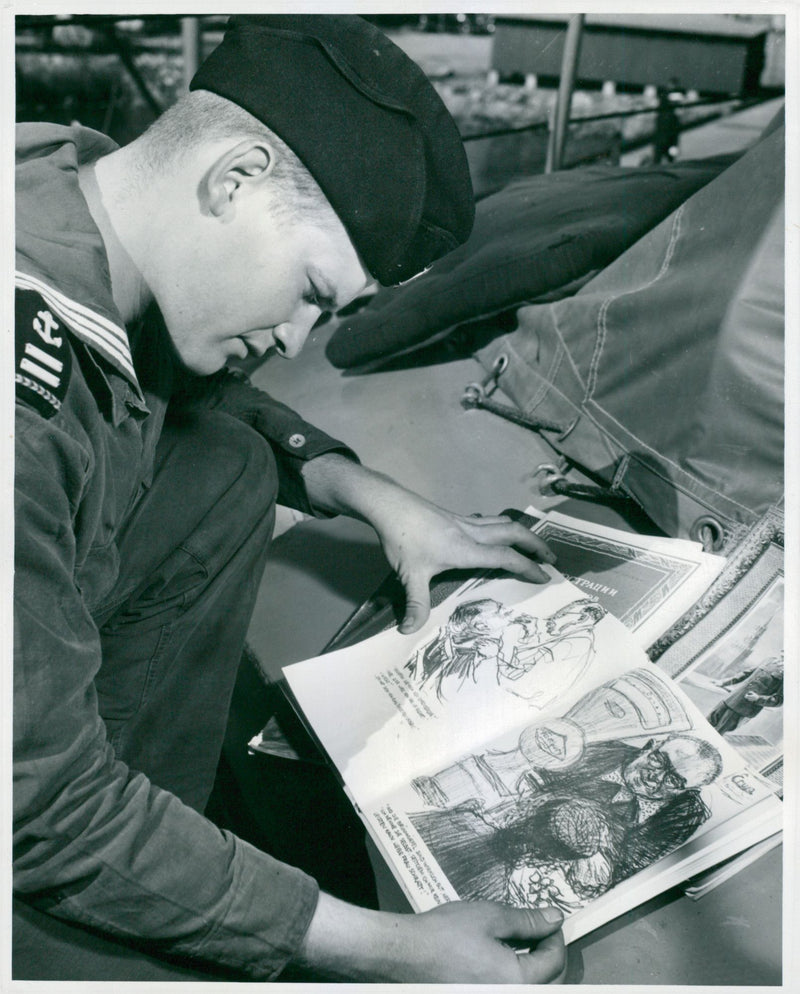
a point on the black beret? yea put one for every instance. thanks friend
(366, 123)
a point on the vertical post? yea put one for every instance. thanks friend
(566, 83)
(190, 45)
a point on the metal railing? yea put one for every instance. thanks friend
(739, 103)
(190, 41)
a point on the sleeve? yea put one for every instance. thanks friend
(293, 440)
(95, 842)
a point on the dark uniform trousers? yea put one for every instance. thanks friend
(173, 628)
(192, 554)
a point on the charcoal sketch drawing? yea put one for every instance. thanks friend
(536, 659)
(583, 802)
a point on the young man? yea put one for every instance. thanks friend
(311, 159)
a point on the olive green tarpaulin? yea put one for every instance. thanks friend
(664, 373)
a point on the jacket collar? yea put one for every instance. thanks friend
(60, 252)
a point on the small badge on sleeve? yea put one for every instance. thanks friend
(43, 357)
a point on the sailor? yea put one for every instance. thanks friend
(310, 160)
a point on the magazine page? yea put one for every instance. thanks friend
(492, 656)
(730, 660)
(755, 830)
(647, 582)
(581, 804)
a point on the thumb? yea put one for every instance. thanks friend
(522, 924)
(539, 943)
(418, 603)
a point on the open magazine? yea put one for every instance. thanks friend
(523, 747)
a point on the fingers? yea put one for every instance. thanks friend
(504, 531)
(505, 558)
(530, 923)
(547, 963)
(452, 542)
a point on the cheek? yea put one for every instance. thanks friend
(218, 306)
(216, 274)
(262, 297)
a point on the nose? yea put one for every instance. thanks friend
(291, 337)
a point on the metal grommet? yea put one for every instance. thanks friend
(500, 364)
(709, 532)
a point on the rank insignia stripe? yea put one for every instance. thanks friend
(43, 356)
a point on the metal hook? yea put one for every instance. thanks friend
(475, 393)
(550, 474)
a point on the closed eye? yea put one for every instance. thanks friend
(317, 298)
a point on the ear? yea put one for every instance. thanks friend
(246, 164)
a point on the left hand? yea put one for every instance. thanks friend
(420, 540)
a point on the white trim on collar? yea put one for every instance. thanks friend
(108, 337)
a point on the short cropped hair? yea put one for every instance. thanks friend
(199, 116)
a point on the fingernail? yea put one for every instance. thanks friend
(552, 915)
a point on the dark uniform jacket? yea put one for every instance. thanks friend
(93, 841)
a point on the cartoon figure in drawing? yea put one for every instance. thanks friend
(536, 659)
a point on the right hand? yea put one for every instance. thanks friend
(460, 942)
(475, 942)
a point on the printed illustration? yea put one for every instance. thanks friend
(536, 659)
(737, 683)
(583, 802)
(747, 693)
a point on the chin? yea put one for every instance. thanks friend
(199, 365)
(207, 368)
